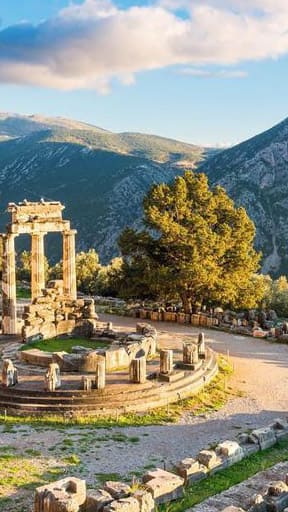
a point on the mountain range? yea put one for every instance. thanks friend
(102, 177)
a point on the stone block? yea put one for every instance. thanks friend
(116, 357)
(209, 459)
(265, 437)
(117, 490)
(276, 498)
(277, 488)
(123, 505)
(65, 495)
(231, 451)
(84, 328)
(48, 329)
(163, 485)
(279, 424)
(191, 470)
(280, 427)
(145, 500)
(250, 448)
(97, 500)
(65, 326)
(172, 377)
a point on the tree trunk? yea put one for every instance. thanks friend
(186, 303)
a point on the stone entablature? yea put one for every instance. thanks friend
(42, 216)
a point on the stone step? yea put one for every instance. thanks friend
(108, 406)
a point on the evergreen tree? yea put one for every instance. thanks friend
(197, 246)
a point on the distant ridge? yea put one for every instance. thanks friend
(99, 175)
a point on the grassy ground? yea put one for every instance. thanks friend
(21, 471)
(223, 480)
(23, 293)
(64, 344)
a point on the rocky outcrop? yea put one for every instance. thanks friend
(255, 174)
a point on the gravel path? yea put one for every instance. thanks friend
(260, 372)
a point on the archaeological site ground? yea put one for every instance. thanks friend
(110, 413)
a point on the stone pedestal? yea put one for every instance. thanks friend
(100, 373)
(9, 306)
(52, 377)
(201, 345)
(137, 370)
(37, 265)
(190, 353)
(69, 266)
(86, 383)
(9, 374)
(166, 361)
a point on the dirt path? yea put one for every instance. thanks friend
(260, 372)
(261, 367)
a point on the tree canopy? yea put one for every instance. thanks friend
(197, 246)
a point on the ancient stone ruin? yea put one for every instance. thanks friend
(54, 309)
(260, 493)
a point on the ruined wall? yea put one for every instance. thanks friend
(53, 314)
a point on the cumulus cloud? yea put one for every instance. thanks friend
(91, 44)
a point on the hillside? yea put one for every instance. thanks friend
(100, 176)
(255, 174)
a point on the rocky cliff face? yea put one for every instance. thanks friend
(100, 176)
(255, 175)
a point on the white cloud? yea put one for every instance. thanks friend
(89, 45)
(206, 73)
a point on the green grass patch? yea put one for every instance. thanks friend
(106, 477)
(219, 482)
(32, 452)
(64, 344)
(72, 459)
(23, 293)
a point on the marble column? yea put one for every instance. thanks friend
(9, 304)
(69, 266)
(37, 265)
(166, 361)
(137, 370)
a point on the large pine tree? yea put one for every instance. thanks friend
(197, 246)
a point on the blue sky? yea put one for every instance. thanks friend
(207, 72)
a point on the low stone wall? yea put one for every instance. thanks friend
(197, 320)
(158, 486)
(124, 348)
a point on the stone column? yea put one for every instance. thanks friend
(37, 265)
(190, 353)
(69, 266)
(166, 361)
(137, 370)
(201, 345)
(100, 373)
(9, 305)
